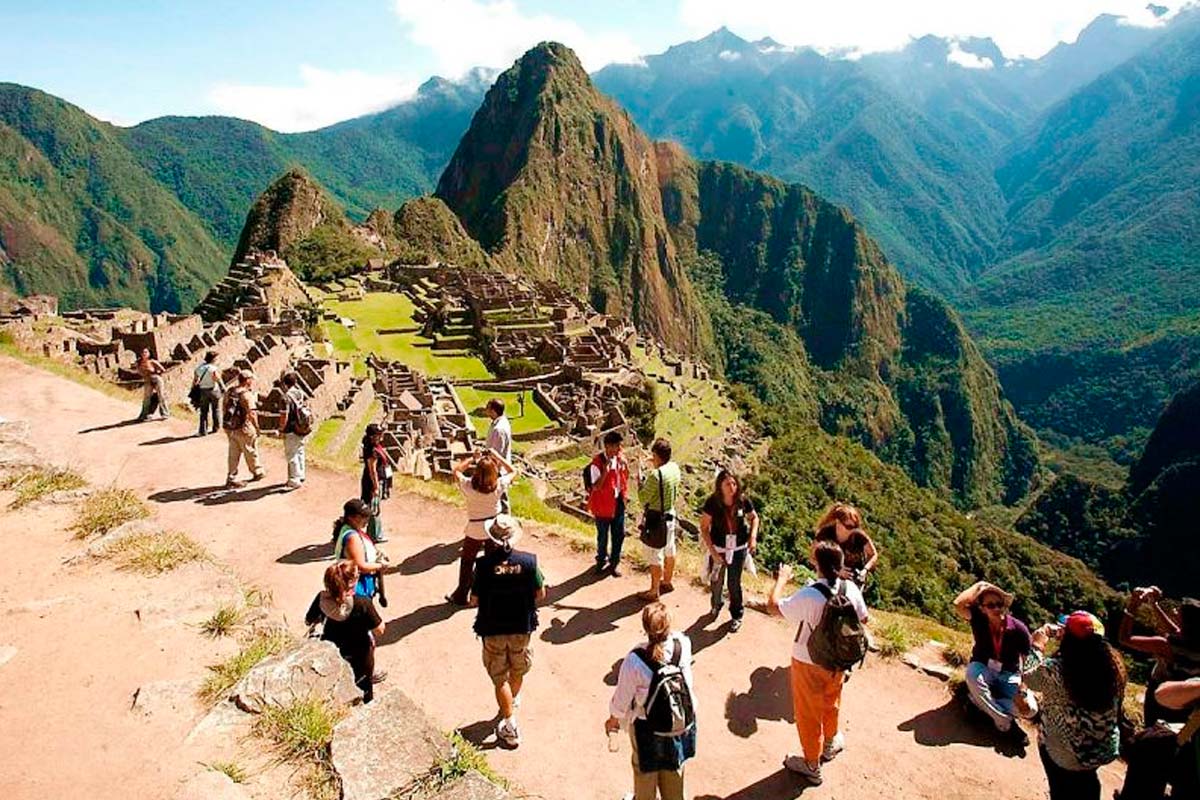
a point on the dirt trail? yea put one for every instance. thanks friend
(905, 737)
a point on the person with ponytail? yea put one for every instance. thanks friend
(1082, 688)
(350, 622)
(351, 542)
(658, 761)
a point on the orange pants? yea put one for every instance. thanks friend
(816, 699)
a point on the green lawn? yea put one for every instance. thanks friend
(475, 399)
(685, 423)
(386, 310)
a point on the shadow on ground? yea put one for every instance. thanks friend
(413, 621)
(779, 785)
(588, 621)
(436, 555)
(950, 724)
(768, 698)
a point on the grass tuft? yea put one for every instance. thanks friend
(35, 483)
(465, 757)
(301, 733)
(223, 621)
(223, 676)
(230, 769)
(106, 510)
(154, 552)
(895, 638)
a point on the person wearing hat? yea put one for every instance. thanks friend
(506, 588)
(1082, 688)
(240, 419)
(1002, 643)
(351, 542)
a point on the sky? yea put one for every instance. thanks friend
(297, 65)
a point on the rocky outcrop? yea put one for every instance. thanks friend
(554, 180)
(314, 668)
(428, 231)
(471, 786)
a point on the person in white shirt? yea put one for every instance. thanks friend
(499, 440)
(483, 489)
(207, 379)
(816, 691)
(662, 757)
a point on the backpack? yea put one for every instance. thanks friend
(302, 417)
(669, 710)
(587, 473)
(839, 641)
(233, 416)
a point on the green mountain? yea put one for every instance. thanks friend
(80, 218)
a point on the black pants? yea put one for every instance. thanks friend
(210, 406)
(1155, 759)
(466, 568)
(363, 666)
(731, 573)
(1070, 784)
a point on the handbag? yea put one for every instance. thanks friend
(194, 395)
(653, 529)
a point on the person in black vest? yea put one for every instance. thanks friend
(729, 531)
(507, 587)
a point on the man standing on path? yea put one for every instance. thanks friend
(208, 380)
(657, 493)
(241, 426)
(152, 385)
(507, 587)
(608, 489)
(499, 439)
(816, 690)
(297, 425)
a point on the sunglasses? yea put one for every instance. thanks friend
(993, 606)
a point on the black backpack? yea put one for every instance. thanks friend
(839, 641)
(234, 416)
(587, 475)
(669, 710)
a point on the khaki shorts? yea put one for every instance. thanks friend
(657, 556)
(507, 657)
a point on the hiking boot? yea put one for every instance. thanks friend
(735, 626)
(665, 588)
(601, 567)
(615, 571)
(809, 772)
(832, 747)
(507, 732)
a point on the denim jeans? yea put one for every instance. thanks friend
(733, 574)
(994, 692)
(615, 527)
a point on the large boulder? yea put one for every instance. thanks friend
(313, 668)
(384, 747)
(472, 786)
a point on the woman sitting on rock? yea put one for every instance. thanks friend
(842, 524)
(351, 623)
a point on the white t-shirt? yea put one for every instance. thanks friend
(482, 506)
(804, 608)
(499, 437)
(206, 375)
(633, 681)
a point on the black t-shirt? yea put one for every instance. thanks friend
(726, 520)
(351, 635)
(506, 586)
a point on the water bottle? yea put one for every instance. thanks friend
(614, 741)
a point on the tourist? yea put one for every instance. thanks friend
(657, 493)
(1082, 688)
(816, 690)
(375, 461)
(729, 531)
(1002, 642)
(489, 477)
(207, 382)
(153, 396)
(351, 542)
(842, 523)
(1167, 754)
(499, 440)
(1176, 650)
(507, 587)
(607, 493)
(240, 417)
(659, 668)
(296, 428)
(350, 622)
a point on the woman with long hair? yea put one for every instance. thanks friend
(483, 478)
(729, 531)
(375, 462)
(1175, 644)
(1082, 689)
(350, 622)
(351, 542)
(842, 524)
(658, 760)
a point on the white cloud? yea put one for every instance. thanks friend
(1021, 27)
(464, 33)
(728, 55)
(322, 98)
(967, 60)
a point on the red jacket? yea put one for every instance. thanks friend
(613, 483)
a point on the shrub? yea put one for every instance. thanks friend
(108, 509)
(35, 483)
(516, 368)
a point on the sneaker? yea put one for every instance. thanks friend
(507, 732)
(601, 567)
(258, 476)
(809, 772)
(234, 484)
(615, 571)
(291, 485)
(832, 747)
(381, 539)
(735, 626)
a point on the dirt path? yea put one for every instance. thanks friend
(905, 737)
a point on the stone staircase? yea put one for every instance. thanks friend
(238, 288)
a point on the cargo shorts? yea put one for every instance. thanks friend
(506, 657)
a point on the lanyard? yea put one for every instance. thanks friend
(998, 641)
